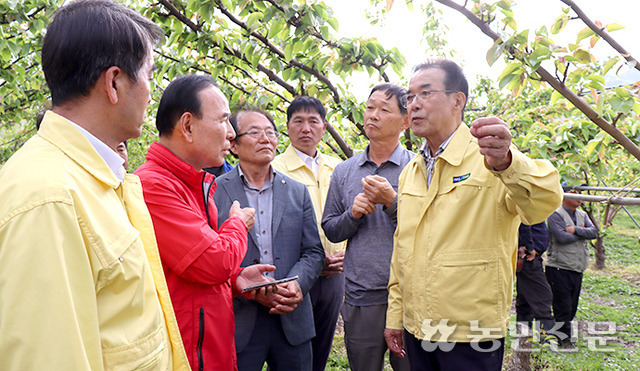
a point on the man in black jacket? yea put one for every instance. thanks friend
(534, 296)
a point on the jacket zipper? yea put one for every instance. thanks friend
(200, 339)
(206, 189)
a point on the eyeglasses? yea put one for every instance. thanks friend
(257, 133)
(425, 94)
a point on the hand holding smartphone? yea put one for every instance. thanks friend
(276, 282)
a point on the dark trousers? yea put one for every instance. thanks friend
(565, 285)
(364, 338)
(326, 298)
(482, 356)
(269, 344)
(534, 296)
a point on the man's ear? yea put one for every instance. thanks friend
(111, 82)
(460, 100)
(184, 126)
(405, 121)
(233, 148)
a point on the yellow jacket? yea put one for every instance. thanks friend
(455, 245)
(81, 283)
(291, 165)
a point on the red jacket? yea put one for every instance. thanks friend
(199, 261)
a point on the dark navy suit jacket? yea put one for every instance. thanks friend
(297, 250)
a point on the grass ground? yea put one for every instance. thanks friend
(608, 314)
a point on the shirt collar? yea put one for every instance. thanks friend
(245, 182)
(305, 156)
(395, 158)
(111, 157)
(571, 212)
(425, 150)
(313, 163)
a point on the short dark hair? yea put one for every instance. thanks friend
(233, 120)
(304, 103)
(182, 95)
(393, 90)
(455, 79)
(85, 38)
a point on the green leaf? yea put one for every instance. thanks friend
(298, 46)
(614, 27)
(545, 42)
(555, 96)
(504, 4)
(586, 32)
(253, 19)
(255, 59)
(597, 82)
(538, 56)
(205, 11)
(512, 68)
(275, 28)
(511, 23)
(621, 105)
(248, 50)
(583, 56)
(495, 52)
(286, 74)
(333, 22)
(560, 23)
(288, 51)
(260, 5)
(506, 80)
(409, 5)
(569, 58)
(622, 92)
(610, 63)
(13, 46)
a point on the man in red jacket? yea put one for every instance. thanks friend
(200, 260)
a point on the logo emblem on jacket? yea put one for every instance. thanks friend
(458, 179)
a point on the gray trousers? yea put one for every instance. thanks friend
(364, 338)
(326, 298)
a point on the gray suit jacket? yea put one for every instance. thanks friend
(297, 250)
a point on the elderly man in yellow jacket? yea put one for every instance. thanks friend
(303, 161)
(459, 207)
(81, 283)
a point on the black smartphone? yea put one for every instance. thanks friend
(249, 288)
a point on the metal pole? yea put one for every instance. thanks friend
(611, 200)
(625, 209)
(603, 189)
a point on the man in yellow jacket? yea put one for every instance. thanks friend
(459, 207)
(81, 283)
(303, 161)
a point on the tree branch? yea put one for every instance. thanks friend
(348, 151)
(232, 52)
(274, 49)
(603, 33)
(250, 77)
(313, 32)
(336, 150)
(578, 102)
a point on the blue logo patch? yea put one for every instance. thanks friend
(458, 179)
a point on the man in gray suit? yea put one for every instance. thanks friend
(276, 327)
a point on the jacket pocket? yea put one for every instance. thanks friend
(466, 189)
(467, 288)
(148, 353)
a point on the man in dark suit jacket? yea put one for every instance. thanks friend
(276, 327)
